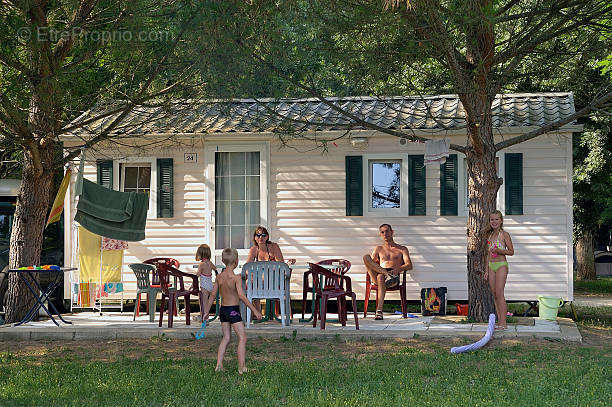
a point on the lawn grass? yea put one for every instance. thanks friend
(598, 317)
(304, 372)
(602, 285)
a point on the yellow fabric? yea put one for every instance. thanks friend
(58, 203)
(89, 259)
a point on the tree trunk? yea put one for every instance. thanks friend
(483, 184)
(27, 232)
(585, 258)
(482, 189)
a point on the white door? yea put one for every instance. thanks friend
(237, 194)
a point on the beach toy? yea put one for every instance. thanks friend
(201, 332)
(548, 307)
(407, 315)
(482, 342)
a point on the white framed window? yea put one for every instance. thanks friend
(138, 174)
(385, 184)
(238, 194)
(464, 198)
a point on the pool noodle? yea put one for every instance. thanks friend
(482, 342)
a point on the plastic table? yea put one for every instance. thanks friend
(28, 277)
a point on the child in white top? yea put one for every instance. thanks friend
(205, 270)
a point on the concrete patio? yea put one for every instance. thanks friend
(115, 325)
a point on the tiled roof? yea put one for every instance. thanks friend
(268, 115)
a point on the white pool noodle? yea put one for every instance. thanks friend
(482, 342)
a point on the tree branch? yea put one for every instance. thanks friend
(354, 118)
(554, 126)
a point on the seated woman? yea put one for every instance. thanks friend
(264, 250)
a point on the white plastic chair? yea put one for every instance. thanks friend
(268, 280)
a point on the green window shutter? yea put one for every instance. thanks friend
(105, 173)
(416, 187)
(165, 188)
(448, 186)
(354, 185)
(514, 183)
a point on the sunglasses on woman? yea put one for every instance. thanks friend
(261, 234)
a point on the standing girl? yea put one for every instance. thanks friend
(500, 246)
(205, 273)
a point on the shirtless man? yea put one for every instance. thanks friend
(230, 287)
(387, 261)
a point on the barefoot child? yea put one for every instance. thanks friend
(230, 287)
(500, 246)
(205, 274)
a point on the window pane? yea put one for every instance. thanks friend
(252, 163)
(237, 213)
(130, 189)
(222, 237)
(252, 188)
(222, 188)
(131, 178)
(237, 163)
(144, 177)
(4, 227)
(237, 188)
(221, 164)
(222, 209)
(386, 184)
(252, 213)
(238, 237)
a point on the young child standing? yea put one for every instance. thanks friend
(205, 270)
(230, 287)
(500, 246)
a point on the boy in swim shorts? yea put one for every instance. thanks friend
(230, 287)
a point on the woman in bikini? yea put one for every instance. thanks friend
(499, 245)
(264, 250)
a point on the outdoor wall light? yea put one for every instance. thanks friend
(359, 142)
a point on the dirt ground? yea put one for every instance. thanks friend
(264, 349)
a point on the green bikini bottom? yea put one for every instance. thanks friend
(496, 265)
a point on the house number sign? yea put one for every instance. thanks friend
(191, 158)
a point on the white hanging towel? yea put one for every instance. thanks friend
(436, 151)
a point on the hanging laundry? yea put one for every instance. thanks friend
(87, 296)
(113, 214)
(113, 244)
(89, 256)
(436, 151)
(90, 269)
(113, 288)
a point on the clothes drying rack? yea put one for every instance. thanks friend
(98, 302)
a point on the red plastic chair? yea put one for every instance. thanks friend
(334, 286)
(370, 286)
(343, 268)
(155, 283)
(172, 293)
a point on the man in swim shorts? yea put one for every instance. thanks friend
(385, 264)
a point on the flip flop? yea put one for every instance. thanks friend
(501, 328)
(379, 316)
(392, 282)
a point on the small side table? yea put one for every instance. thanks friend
(28, 277)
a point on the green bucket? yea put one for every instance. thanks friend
(549, 306)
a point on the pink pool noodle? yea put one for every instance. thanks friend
(482, 342)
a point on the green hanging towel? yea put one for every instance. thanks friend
(112, 214)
